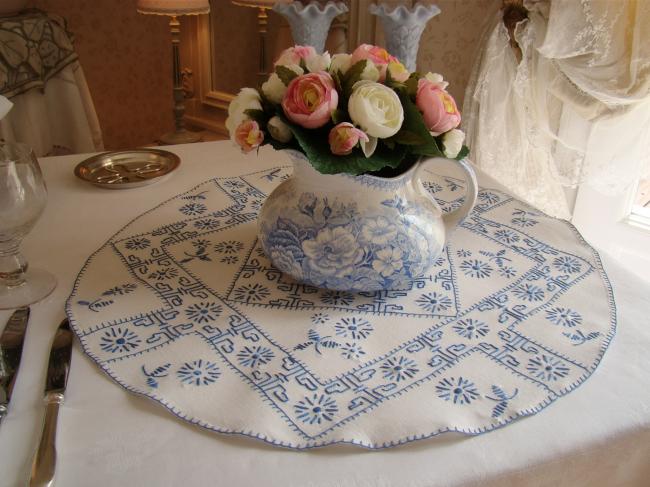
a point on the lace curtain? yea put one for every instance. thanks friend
(575, 109)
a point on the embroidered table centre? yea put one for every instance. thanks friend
(34, 46)
(183, 307)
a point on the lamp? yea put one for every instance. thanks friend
(262, 21)
(174, 8)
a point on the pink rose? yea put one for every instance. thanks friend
(344, 137)
(437, 106)
(293, 55)
(378, 55)
(310, 99)
(248, 135)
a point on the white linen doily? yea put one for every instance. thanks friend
(183, 307)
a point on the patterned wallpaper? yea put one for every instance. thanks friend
(126, 57)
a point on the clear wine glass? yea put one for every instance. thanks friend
(22, 200)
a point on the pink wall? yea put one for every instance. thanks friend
(126, 57)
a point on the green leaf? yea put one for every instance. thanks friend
(285, 74)
(337, 116)
(412, 85)
(414, 123)
(353, 75)
(316, 147)
(337, 76)
(303, 65)
(406, 137)
(258, 115)
(464, 152)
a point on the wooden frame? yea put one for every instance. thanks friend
(208, 107)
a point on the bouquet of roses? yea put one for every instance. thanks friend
(348, 113)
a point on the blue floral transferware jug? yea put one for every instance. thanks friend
(356, 233)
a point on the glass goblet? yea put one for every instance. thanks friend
(22, 200)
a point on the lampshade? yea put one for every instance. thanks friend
(173, 7)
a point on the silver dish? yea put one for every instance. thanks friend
(127, 169)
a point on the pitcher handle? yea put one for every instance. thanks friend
(453, 218)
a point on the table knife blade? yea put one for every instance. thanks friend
(11, 349)
(44, 464)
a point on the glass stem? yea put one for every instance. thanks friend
(12, 264)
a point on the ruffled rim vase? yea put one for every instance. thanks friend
(403, 28)
(356, 233)
(310, 23)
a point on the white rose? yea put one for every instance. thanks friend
(246, 99)
(279, 130)
(274, 89)
(318, 63)
(376, 109)
(370, 72)
(452, 142)
(340, 62)
(437, 79)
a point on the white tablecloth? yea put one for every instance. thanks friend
(598, 435)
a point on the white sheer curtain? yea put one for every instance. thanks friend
(575, 109)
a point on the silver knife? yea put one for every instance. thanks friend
(57, 376)
(11, 348)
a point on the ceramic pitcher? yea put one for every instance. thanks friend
(357, 233)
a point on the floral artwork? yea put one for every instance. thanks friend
(331, 244)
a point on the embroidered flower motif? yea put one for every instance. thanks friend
(234, 183)
(352, 351)
(397, 369)
(563, 317)
(524, 221)
(547, 368)
(138, 243)
(459, 391)
(529, 292)
(119, 340)
(193, 209)
(207, 224)
(487, 197)
(204, 312)
(230, 259)
(432, 187)
(355, 328)
(320, 318)
(120, 290)
(508, 272)
(255, 356)
(476, 268)
(507, 236)
(229, 247)
(463, 253)
(470, 328)
(337, 298)
(164, 274)
(378, 231)
(316, 409)
(453, 184)
(198, 372)
(567, 264)
(434, 302)
(250, 293)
